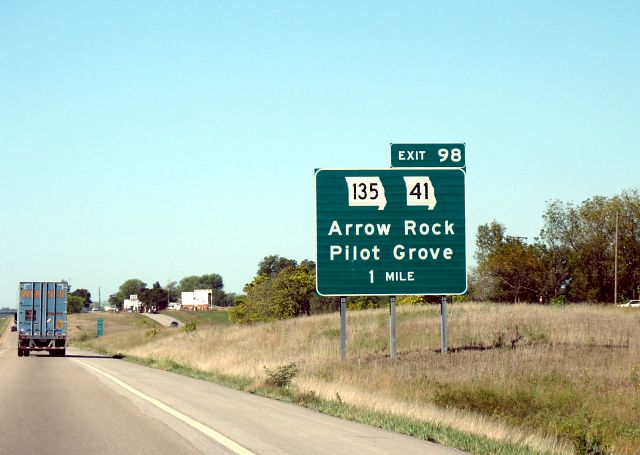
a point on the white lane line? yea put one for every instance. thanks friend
(218, 437)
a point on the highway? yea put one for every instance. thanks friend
(90, 404)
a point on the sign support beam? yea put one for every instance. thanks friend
(443, 330)
(343, 328)
(393, 343)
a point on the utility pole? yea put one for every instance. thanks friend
(615, 266)
(99, 299)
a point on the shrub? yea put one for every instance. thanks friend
(307, 398)
(635, 376)
(331, 333)
(190, 326)
(153, 331)
(589, 439)
(282, 376)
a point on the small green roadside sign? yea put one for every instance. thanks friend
(390, 231)
(428, 155)
(100, 327)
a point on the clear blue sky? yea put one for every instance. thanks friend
(163, 139)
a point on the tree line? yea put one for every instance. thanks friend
(160, 297)
(572, 260)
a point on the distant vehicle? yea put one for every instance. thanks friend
(42, 318)
(95, 309)
(174, 323)
(631, 304)
(14, 328)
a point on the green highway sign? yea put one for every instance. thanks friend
(428, 155)
(100, 327)
(390, 231)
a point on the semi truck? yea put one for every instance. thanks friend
(42, 317)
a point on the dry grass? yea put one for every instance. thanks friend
(522, 373)
(218, 316)
(121, 330)
(4, 323)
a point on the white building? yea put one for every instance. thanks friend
(132, 303)
(200, 299)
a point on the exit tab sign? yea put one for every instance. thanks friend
(428, 155)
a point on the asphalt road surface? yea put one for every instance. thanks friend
(89, 404)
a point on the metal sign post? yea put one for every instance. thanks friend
(393, 345)
(343, 328)
(398, 231)
(443, 330)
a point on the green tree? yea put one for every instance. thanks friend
(155, 297)
(363, 302)
(627, 205)
(272, 265)
(483, 284)
(115, 300)
(413, 300)
(489, 237)
(193, 282)
(273, 295)
(85, 295)
(74, 304)
(518, 268)
(257, 304)
(508, 268)
(217, 297)
(585, 235)
(228, 299)
(172, 288)
(321, 304)
(293, 288)
(132, 286)
(573, 259)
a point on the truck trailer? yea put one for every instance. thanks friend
(42, 317)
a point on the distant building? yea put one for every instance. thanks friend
(132, 303)
(200, 299)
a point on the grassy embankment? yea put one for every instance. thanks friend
(519, 374)
(200, 317)
(4, 323)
